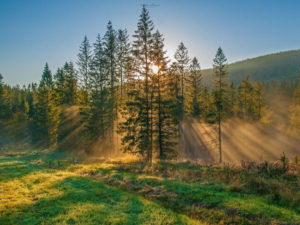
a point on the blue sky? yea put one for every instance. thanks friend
(35, 32)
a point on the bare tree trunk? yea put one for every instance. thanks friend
(220, 140)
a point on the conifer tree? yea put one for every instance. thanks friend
(46, 117)
(123, 52)
(19, 124)
(71, 83)
(15, 98)
(98, 119)
(60, 83)
(110, 47)
(84, 59)
(137, 127)
(5, 109)
(174, 94)
(220, 82)
(232, 100)
(129, 76)
(294, 126)
(32, 98)
(181, 55)
(245, 98)
(164, 126)
(207, 107)
(258, 101)
(195, 87)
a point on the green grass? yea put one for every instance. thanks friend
(35, 194)
(134, 193)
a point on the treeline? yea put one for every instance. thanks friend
(131, 90)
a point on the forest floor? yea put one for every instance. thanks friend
(115, 192)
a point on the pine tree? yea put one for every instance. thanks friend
(195, 87)
(164, 126)
(84, 59)
(174, 93)
(137, 126)
(245, 91)
(32, 98)
(220, 82)
(97, 123)
(110, 44)
(258, 101)
(181, 55)
(60, 83)
(5, 108)
(294, 126)
(232, 100)
(46, 118)
(71, 83)
(207, 108)
(129, 76)
(15, 99)
(5, 111)
(123, 52)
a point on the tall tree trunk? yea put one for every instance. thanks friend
(182, 113)
(220, 140)
(159, 120)
(112, 98)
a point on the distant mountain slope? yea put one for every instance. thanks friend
(275, 66)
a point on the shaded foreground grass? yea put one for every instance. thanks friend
(57, 196)
(116, 193)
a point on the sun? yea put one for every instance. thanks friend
(154, 69)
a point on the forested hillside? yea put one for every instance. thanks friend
(277, 66)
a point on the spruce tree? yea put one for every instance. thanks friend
(110, 47)
(98, 118)
(245, 91)
(164, 125)
(84, 59)
(220, 83)
(71, 83)
(232, 100)
(137, 125)
(60, 83)
(174, 93)
(129, 76)
(123, 52)
(5, 108)
(181, 55)
(207, 107)
(46, 118)
(294, 126)
(5, 111)
(195, 88)
(258, 100)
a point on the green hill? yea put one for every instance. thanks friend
(277, 66)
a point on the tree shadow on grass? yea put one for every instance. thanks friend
(212, 202)
(85, 201)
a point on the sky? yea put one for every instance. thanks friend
(35, 32)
